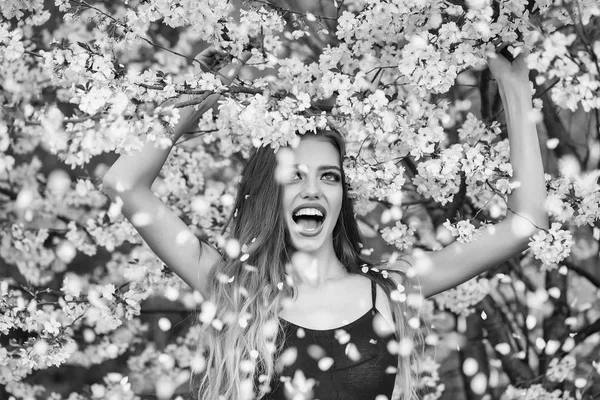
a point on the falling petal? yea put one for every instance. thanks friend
(243, 321)
(165, 387)
(250, 268)
(289, 356)
(59, 182)
(200, 205)
(167, 361)
(88, 335)
(299, 388)
(184, 237)
(198, 363)
(227, 200)
(414, 323)
(164, 324)
(392, 347)
(479, 384)
(398, 296)
(325, 363)
(554, 292)
(552, 143)
(65, 251)
(232, 248)
(246, 389)
(285, 165)
(141, 219)
(41, 347)
(247, 366)
(540, 343)
(24, 198)
(551, 347)
(315, 351)
(503, 348)
(270, 328)
(470, 366)
(568, 345)
(381, 326)
(342, 336)
(432, 339)
(207, 312)
(530, 322)
(352, 352)
(580, 383)
(405, 347)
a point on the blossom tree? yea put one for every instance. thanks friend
(427, 162)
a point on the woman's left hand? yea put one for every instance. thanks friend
(511, 73)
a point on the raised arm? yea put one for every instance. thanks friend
(130, 179)
(441, 270)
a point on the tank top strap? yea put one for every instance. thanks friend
(373, 293)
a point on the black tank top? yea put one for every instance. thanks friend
(354, 361)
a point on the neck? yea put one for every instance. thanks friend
(318, 267)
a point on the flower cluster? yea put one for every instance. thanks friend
(464, 231)
(552, 246)
(534, 392)
(11, 46)
(368, 182)
(429, 378)
(169, 367)
(561, 369)
(576, 76)
(400, 235)
(439, 178)
(24, 248)
(574, 198)
(460, 300)
(268, 123)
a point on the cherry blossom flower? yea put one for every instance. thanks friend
(552, 246)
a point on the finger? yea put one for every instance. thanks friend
(213, 51)
(210, 58)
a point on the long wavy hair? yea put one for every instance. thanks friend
(248, 291)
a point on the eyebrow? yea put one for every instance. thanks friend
(324, 167)
(327, 167)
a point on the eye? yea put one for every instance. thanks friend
(296, 175)
(332, 176)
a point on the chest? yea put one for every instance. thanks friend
(350, 362)
(336, 305)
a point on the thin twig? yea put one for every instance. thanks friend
(582, 272)
(287, 11)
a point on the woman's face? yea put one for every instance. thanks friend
(312, 193)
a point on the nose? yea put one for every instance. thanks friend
(311, 189)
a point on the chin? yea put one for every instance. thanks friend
(312, 244)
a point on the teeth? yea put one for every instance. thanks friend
(308, 211)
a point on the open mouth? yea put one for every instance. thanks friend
(308, 219)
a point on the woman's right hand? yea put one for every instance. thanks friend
(211, 59)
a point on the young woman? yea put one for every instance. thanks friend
(303, 314)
